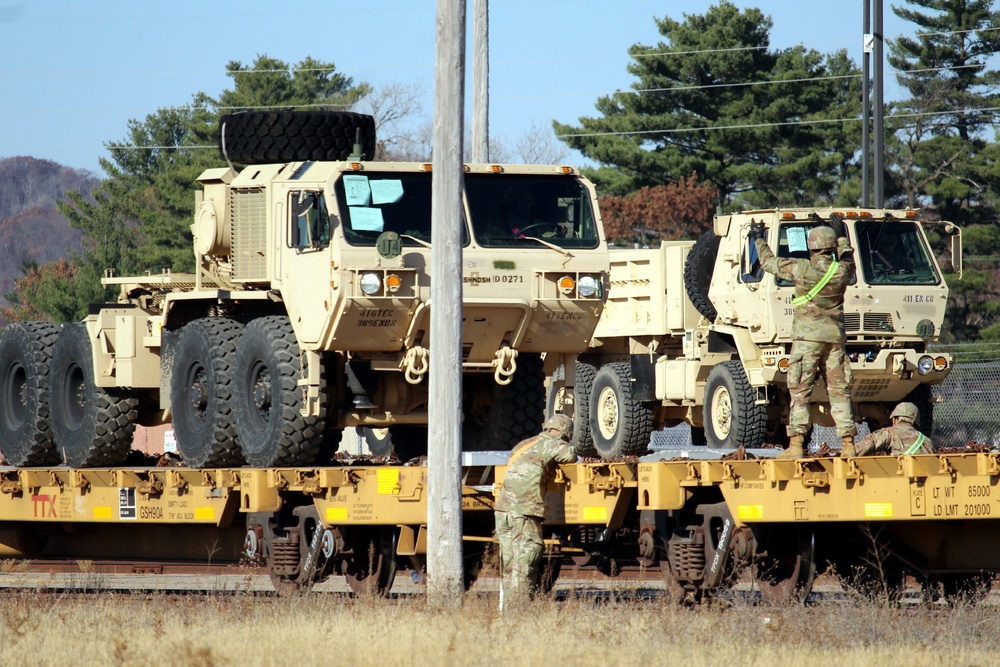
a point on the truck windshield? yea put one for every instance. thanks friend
(371, 203)
(894, 252)
(508, 210)
(793, 242)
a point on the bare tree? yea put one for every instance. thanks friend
(403, 132)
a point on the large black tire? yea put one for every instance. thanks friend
(91, 426)
(378, 440)
(698, 270)
(582, 440)
(409, 441)
(732, 416)
(268, 400)
(295, 136)
(923, 398)
(620, 424)
(201, 393)
(25, 427)
(497, 417)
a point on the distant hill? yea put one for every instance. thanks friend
(31, 229)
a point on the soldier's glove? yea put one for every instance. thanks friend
(837, 225)
(756, 230)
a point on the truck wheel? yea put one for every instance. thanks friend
(267, 399)
(409, 441)
(91, 426)
(582, 440)
(258, 137)
(497, 417)
(201, 393)
(732, 417)
(620, 424)
(698, 270)
(25, 428)
(378, 440)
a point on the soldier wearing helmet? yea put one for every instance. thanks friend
(900, 438)
(817, 327)
(520, 506)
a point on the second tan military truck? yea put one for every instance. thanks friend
(309, 310)
(697, 332)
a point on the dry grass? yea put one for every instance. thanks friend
(332, 629)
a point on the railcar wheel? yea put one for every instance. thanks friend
(731, 414)
(268, 400)
(25, 425)
(784, 567)
(620, 424)
(371, 569)
(582, 439)
(201, 397)
(91, 426)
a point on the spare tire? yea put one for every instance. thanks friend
(257, 137)
(698, 271)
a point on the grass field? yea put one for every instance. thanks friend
(247, 630)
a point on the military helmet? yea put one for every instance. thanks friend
(561, 423)
(906, 412)
(822, 238)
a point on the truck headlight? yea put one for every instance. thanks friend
(371, 283)
(587, 286)
(925, 365)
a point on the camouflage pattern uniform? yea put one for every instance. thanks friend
(520, 506)
(900, 438)
(817, 334)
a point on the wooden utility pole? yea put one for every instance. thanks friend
(444, 470)
(481, 81)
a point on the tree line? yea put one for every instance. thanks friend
(715, 117)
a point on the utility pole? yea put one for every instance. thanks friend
(878, 105)
(444, 478)
(866, 107)
(481, 81)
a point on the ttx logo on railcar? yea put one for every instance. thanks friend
(44, 505)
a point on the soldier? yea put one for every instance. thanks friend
(900, 438)
(817, 327)
(520, 505)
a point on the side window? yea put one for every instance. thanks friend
(750, 268)
(309, 223)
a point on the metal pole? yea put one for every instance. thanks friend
(444, 480)
(878, 105)
(481, 81)
(866, 108)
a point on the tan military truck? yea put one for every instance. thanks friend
(698, 333)
(309, 311)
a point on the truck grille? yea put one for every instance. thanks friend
(249, 234)
(868, 388)
(880, 322)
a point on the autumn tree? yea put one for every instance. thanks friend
(680, 210)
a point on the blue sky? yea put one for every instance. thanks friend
(74, 73)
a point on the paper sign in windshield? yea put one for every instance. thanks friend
(387, 192)
(797, 237)
(356, 190)
(366, 219)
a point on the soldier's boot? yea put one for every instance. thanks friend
(794, 450)
(847, 449)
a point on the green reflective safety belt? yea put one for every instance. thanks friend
(808, 296)
(915, 447)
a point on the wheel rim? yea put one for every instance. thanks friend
(16, 412)
(607, 418)
(260, 396)
(197, 393)
(722, 412)
(786, 574)
(74, 397)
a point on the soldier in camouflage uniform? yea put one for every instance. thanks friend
(520, 506)
(817, 327)
(900, 438)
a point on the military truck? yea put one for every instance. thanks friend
(309, 310)
(697, 332)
